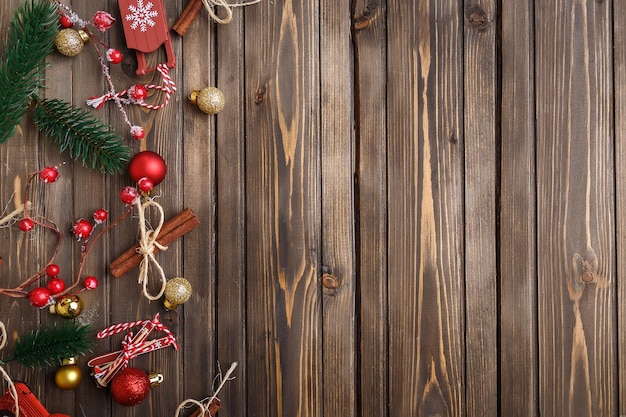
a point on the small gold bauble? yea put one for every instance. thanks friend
(68, 307)
(177, 291)
(70, 42)
(210, 100)
(69, 375)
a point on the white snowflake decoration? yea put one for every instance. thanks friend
(141, 15)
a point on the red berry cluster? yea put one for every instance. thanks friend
(44, 296)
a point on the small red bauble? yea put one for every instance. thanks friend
(39, 297)
(82, 229)
(138, 93)
(102, 20)
(130, 386)
(49, 174)
(129, 195)
(147, 164)
(65, 22)
(26, 224)
(114, 56)
(55, 285)
(137, 132)
(53, 270)
(145, 184)
(100, 215)
(91, 282)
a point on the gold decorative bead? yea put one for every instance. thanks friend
(69, 375)
(210, 100)
(177, 291)
(68, 307)
(70, 42)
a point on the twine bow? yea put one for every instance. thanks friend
(147, 244)
(5, 375)
(211, 5)
(204, 406)
(107, 365)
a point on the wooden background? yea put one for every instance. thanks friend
(398, 204)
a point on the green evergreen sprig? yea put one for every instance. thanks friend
(84, 136)
(30, 39)
(49, 345)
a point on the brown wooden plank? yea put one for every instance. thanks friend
(338, 210)
(480, 74)
(619, 67)
(371, 199)
(518, 269)
(282, 209)
(425, 171)
(576, 242)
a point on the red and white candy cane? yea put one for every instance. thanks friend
(106, 366)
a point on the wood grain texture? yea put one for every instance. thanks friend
(518, 269)
(283, 210)
(576, 244)
(426, 353)
(371, 197)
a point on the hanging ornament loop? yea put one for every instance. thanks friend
(147, 245)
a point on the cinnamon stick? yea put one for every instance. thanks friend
(187, 17)
(172, 229)
(216, 404)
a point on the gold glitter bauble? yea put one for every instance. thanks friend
(210, 100)
(69, 375)
(69, 307)
(70, 42)
(177, 291)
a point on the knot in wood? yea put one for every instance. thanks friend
(330, 282)
(478, 18)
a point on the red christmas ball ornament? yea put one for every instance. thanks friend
(145, 184)
(49, 174)
(53, 270)
(129, 195)
(55, 285)
(102, 20)
(137, 132)
(131, 386)
(26, 224)
(114, 56)
(147, 164)
(90, 282)
(138, 93)
(82, 229)
(39, 297)
(65, 22)
(100, 216)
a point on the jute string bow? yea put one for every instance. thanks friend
(147, 244)
(211, 5)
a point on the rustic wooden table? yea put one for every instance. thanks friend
(408, 208)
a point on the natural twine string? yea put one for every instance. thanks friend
(205, 406)
(147, 244)
(17, 203)
(211, 5)
(5, 375)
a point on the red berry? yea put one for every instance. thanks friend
(102, 20)
(82, 229)
(137, 132)
(145, 184)
(138, 93)
(26, 224)
(55, 285)
(49, 174)
(114, 56)
(39, 297)
(100, 215)
(129, 195)
(91, 282)
(53, 270)
(65, 22)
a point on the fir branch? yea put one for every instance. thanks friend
(47, 346)
(30, 39)
(85, 137)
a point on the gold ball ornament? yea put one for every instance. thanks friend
(177, 291)
(70, 42)
(210, 100)
(68, 307)
(69, 375)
